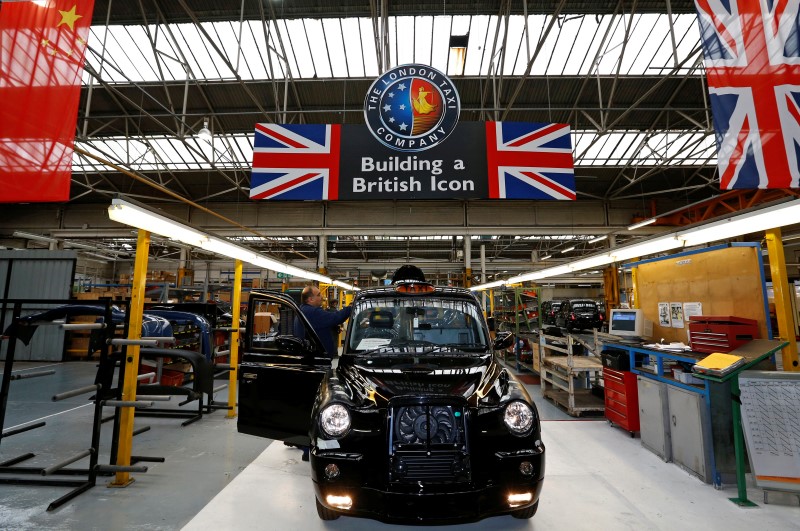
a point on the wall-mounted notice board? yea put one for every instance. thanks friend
(725, 280)
(771, 424)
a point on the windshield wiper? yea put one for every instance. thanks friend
(471, 347)
(415, 343)
(383, 348)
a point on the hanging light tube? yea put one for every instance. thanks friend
(128, 213)
(775, 216)
(31, 236)
(346, 286)
(488, 285)
(642, 223)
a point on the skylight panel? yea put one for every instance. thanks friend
(317, 46)
(335, 47)
(298, 49)
(440, 43)
(351, 33)
(412, 38)
(570, 47)
(477, 47)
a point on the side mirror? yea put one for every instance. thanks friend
(291, 344)
(503, 340)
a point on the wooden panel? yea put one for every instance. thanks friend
(726, 281)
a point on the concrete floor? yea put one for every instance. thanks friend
(598, 477)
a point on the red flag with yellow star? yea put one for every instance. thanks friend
(42, 46)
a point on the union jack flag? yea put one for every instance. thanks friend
(752, 58)
(529, 161)
(296, 162)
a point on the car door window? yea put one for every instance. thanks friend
(276, 327)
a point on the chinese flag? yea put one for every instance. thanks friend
(42, 45)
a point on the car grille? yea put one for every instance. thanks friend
(428, 444)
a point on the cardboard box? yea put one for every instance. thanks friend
(79, 344)
(262, 322)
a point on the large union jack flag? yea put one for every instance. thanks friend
(529, 161)
(752, 57)
(296, 162)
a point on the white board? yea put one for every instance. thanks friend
(771, 424)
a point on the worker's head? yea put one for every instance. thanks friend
(312, 296)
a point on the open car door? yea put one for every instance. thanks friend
(283, 363)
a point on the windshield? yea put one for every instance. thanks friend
(417, 322)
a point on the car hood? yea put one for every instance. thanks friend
(379, 379)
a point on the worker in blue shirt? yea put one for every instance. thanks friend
(325, 323)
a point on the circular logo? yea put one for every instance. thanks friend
(412, 108)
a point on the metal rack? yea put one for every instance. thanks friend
(568, 378)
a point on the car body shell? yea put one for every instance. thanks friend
(549, 310)
(579, 314)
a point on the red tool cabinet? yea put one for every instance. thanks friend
(721, 333)
(622, 399)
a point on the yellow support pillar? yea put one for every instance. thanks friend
(611, 287)
(783, 304)
(635, 288)
(234, 355)
(131, 361)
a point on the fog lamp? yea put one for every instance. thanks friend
(332, 471)
(515, 500)
(339, 502)
(525, 468)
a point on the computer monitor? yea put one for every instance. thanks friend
(626, 322)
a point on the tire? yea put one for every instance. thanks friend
(328, 514)
(528, 512)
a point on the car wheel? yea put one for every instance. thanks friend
(528, 512)
(327, 514)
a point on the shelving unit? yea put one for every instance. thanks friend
(568, 379)
(516, 310)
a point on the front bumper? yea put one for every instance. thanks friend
(439, 503)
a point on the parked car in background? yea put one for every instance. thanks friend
(580, 314)
(549, 310)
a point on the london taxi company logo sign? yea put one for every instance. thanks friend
(412, 108)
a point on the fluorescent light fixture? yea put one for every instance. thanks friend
(31, 236)
(642, 223)
(544, 273)
(345, 286)
(546, 257)
(787, 213)
(775, 216)
(128, 213)
(568, 249)
(647, 247)
(598, 239)
(488, 285)
(592, 262)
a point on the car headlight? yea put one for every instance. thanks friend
(518, 417)
(334, 420)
